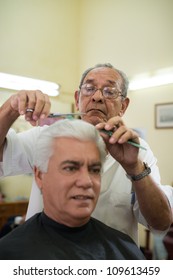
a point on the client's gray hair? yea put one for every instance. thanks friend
(77, 129)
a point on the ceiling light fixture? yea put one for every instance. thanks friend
(14, 82)
(159, 78)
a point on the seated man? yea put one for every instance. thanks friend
(68, 160)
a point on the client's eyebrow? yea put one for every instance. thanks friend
(78, 163)
(95, 164)
(74, 162)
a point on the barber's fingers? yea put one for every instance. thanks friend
(114, 123)
(39, 105)
(122, 134)
(32, 104)
(111, 124)
(119, 132)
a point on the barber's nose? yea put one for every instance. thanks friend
(97, 96)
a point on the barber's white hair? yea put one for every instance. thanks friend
(78, 129)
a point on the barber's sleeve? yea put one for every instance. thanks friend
(168, 191)
(18, 152)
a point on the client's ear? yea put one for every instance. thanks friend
(38, 177)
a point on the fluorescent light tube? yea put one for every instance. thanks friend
(161, 77)
(15, 82)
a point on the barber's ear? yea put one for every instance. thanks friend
(76, 97)
(38, 177)
(124, 105)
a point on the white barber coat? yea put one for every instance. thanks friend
(117, 206)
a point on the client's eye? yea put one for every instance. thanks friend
(70, 169)
(95, 169)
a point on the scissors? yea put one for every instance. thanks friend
(65, 115)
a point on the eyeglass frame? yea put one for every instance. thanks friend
(102, 91)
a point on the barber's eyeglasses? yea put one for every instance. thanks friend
(108, 92)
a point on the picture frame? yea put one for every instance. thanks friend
(164, 115)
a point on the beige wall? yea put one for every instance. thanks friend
(134, 35)
(40, 39)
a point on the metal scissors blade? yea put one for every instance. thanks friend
(65, 115)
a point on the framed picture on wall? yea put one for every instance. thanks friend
(164, 115)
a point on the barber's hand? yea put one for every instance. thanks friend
(37, 102)
(123, 152)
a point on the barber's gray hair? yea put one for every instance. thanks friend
(124, 84)
(77, 129)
